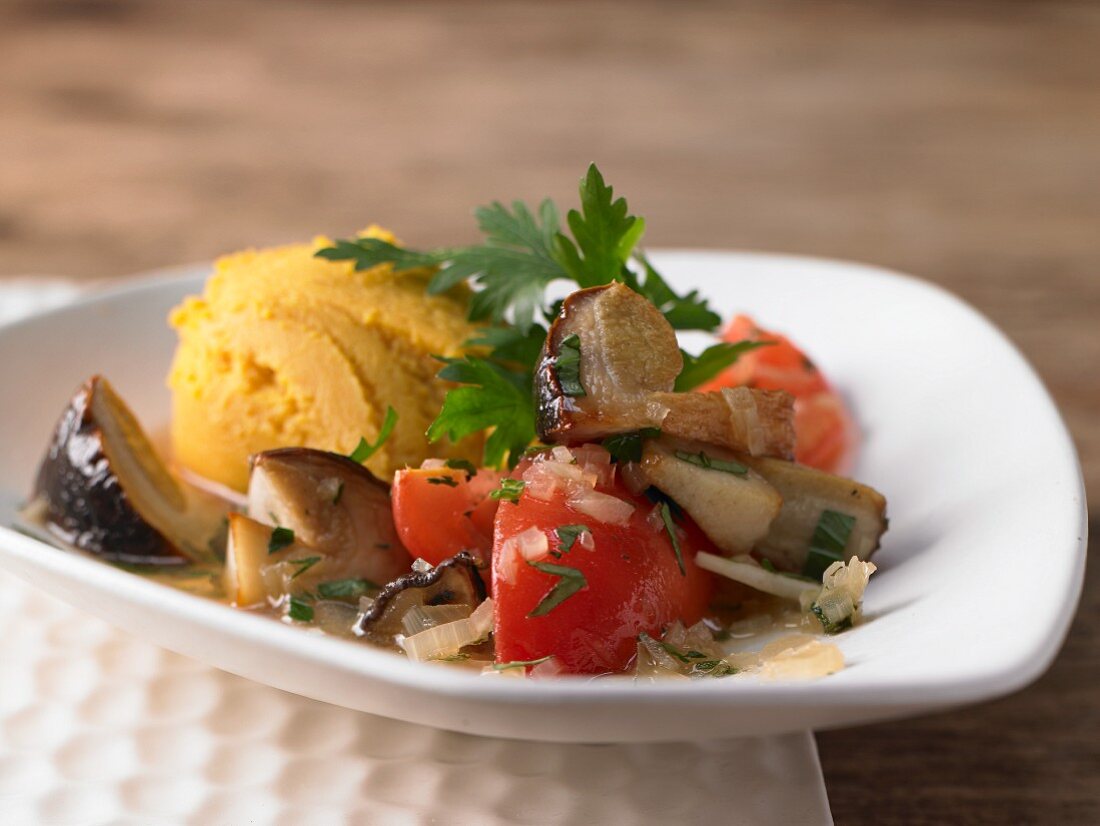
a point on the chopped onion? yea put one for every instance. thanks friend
(563, 454)
(433, 464)
(601, 506)
(838, 603)
(422, 617)
(525, 546)
(745, 418)
(448, 639)
(751, 574)
(421, 566)
(545, 669)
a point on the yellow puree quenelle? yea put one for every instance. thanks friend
(284, 349)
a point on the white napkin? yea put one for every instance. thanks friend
(98, 727)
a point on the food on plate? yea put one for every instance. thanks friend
(286, 349)
(422, 450)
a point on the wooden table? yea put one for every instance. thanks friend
(956, 141)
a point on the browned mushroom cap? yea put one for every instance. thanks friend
(333, 505)
(609, 366)
(807, 493)
(731, 502)
(455, 581)
(106, 491)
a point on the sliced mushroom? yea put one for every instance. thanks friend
(333, 505)
(455, 581)
(106, 491)
(733, 504)
(609, 366)
(262, 565)
(807, 493)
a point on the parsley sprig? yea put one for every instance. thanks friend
(524, 251)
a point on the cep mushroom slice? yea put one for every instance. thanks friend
(334, 506)
(609, 366)
(455, 581)
(732, 503)
(253, 551)
(807, 493)
(105, 490)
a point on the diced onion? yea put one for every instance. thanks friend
(525, 546)
(422, 617)
(563, 454)
(842, 591)
(751, 574)
(421, 566)
(602, 507)
(448, 639)
(548, 668)
(433, 464)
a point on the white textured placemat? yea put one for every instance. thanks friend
(98, 727)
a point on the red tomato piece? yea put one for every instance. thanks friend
(633, 583)
(436, 519)
(826, 436)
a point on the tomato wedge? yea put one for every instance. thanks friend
(441, 511)
(826, 436)
(625, 579)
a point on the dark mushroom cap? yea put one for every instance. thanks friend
(455, 581)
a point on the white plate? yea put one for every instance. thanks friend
(979, 574)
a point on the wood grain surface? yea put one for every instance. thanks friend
(957, 141)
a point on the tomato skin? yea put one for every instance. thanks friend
(633, 585)
(826, 436)
(435, 520)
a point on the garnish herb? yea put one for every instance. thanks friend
(568, 366)
(828, 543)
(524, 251)
(304, 565)
(300, 610)
(449, 481)
(463, 464)
(670, 528)
(521, 663)
(280, 538)
(627, 447)
(509, 490)
(713, 668)
(570, 581)
(492, 396)
(568, 536)
(339, 494)
(701, 459)
(364, 450)
(712, 361)
(829, 626)
(345, 588)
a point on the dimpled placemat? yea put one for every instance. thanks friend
(98, 727)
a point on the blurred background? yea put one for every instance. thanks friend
(958, 141)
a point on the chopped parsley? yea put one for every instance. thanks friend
(521, 663)
(509, 490)
(627, 447)
(670, 528)
(524, 250)
(568, 366)
(829, 626)
(300, 610)
(568, 536)
(303, 565)
(339, 494)
(570, 581)
(828, 543)
(449, 481)
(462, 464)
(364, 450)
(345, 588)
(702, 460)
(280, 538)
